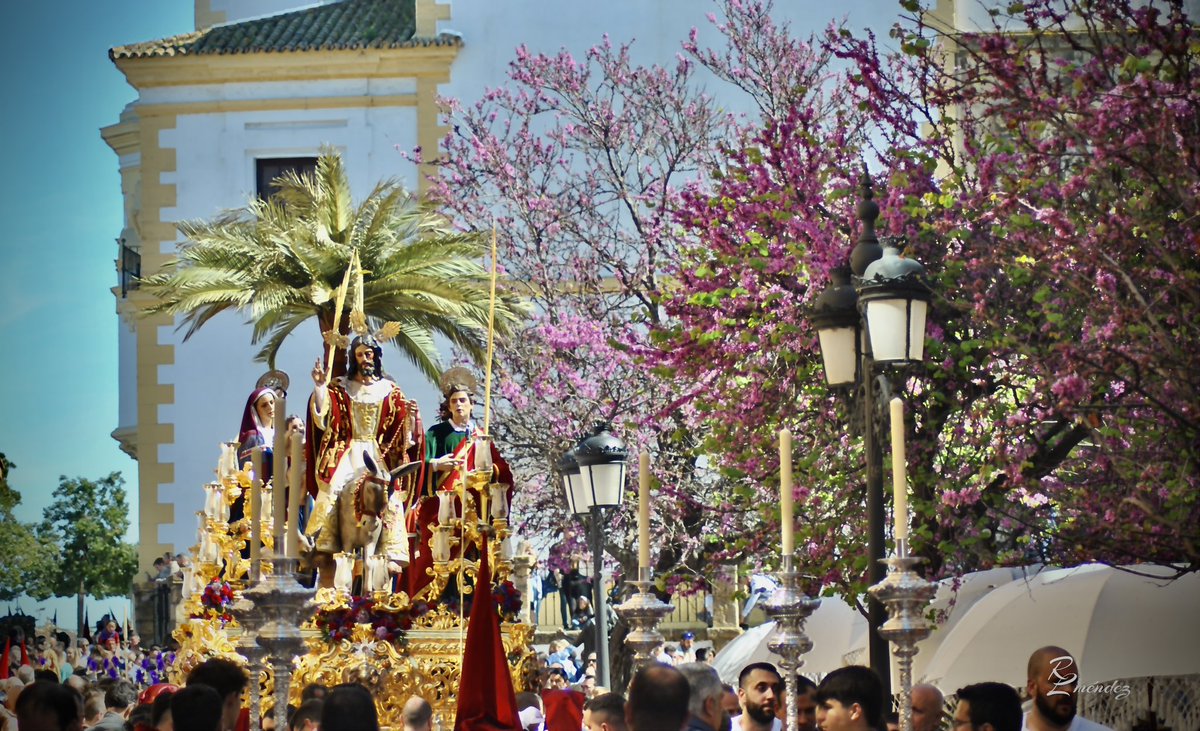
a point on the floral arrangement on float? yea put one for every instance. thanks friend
(508, 600)
(387, 624)
(215, 601)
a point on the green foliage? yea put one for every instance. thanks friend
(9, 498)
(26, 560)
(88, 520)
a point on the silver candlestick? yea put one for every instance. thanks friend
(283, 605)
(248, 616)
(790, 607)
(642, 612)
(906, 596)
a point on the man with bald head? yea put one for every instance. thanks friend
(927, 703)
(417, 714)
(658, 699)
(1052, 680)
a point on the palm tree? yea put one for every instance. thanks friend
(280, 262)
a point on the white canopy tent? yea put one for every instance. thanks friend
(839, 631)
(834, 628)
(1116, 624)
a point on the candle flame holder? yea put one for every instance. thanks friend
(247, 615)
(790, 607)
(282, 605)
(643, 612)
(905, 595)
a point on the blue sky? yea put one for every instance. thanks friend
(61, 204)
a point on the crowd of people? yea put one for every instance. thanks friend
(210, 700)
(687, 696)
(110, 652)
(168, 567)
(691, 697)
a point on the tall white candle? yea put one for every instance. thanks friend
(643, 521)
(295, 495)
(256, 511)
(786, 509)
(210, 500)
(226, 463)
(899, 472)
(279, 477)
(222, 504)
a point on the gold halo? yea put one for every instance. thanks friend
(460, 376)
(277, 380)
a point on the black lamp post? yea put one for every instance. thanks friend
(594, 479)
(568, 466)
(865, 329)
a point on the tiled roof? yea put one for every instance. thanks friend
(346, 25)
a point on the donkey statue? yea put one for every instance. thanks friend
(369, 523)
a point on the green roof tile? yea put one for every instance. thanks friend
(346, 25)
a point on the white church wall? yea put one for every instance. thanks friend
(264, 90)
(126, 375)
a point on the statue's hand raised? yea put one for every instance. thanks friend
(318, 374)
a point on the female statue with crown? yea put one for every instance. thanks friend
(257, 430)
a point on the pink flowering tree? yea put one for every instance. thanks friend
(1047, 180)
(578, 161)
(1044, 181)
(1069, 252)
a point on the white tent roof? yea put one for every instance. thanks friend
(1115, 623)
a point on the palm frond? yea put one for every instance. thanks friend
(416, 344)
(278, 262)
(279, 333)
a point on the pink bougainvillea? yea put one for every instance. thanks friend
(1048, 181)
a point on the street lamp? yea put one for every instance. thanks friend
(864, 329)
(568, 466)
(595, 481)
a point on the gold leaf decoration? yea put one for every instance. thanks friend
(358, 322)
(388, 331)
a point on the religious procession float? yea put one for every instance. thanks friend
(354, 545)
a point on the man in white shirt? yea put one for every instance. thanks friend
(1052, 679)
(760, 686)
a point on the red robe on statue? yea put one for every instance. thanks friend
(423, 513)
(335, 450)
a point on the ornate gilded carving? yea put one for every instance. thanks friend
(427, 661)
(428, 664)
(199, 640)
